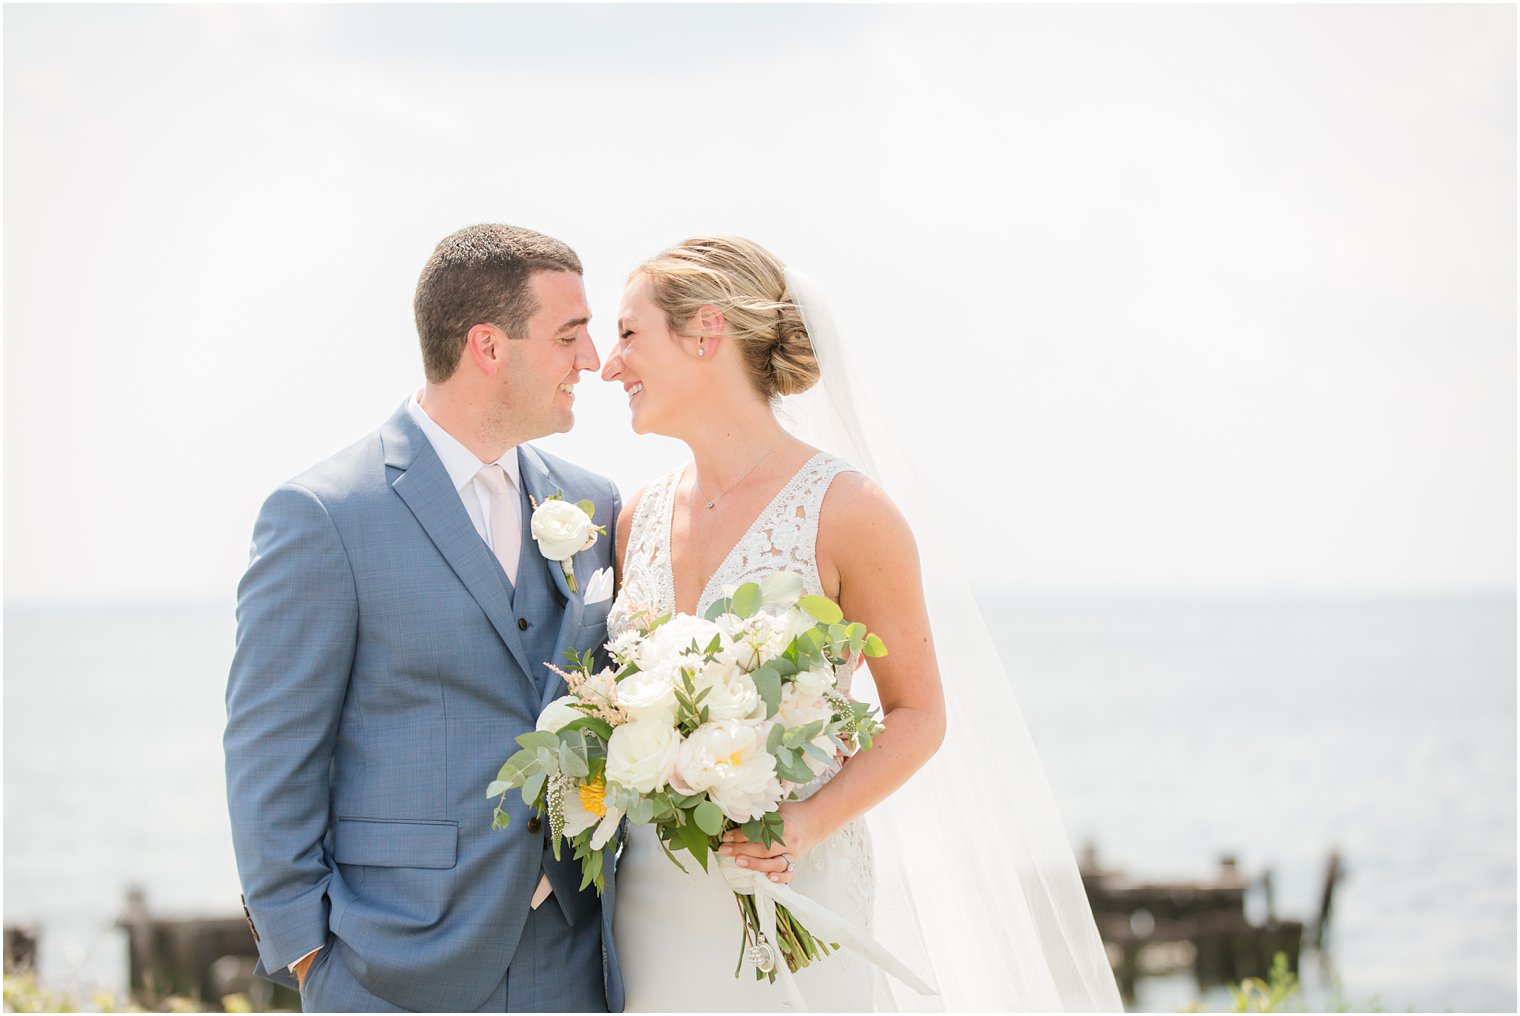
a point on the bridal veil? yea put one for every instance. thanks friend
(977, 884)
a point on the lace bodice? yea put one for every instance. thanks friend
(783, 537)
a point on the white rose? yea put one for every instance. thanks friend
(558, 713)
(798, 708)
(813, 683)
(650, 695)
(562, 530)
(641, 755)
(727, 759)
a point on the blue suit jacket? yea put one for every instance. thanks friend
(382, 670)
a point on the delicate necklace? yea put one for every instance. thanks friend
(713, 503)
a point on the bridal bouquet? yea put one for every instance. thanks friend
(706, 724)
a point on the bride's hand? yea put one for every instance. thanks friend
(796, 840)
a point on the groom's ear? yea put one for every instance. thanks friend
(486, 347)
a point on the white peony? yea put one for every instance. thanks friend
(562, 530)
(731, 693)
(727, 759)
(641, 755)
(650, 695)
(559, 713)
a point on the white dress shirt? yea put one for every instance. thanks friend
(462, 465)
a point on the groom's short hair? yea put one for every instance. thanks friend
(481, 275)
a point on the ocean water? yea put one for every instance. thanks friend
(1172, 731)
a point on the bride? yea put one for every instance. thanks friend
(714, 335)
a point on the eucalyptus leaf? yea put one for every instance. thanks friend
(817, 752)
(587, 507)
(571, 762)
(746, 600)
(532, 787)
(821, 608)
(717, 610)
(535, 739)
(497, 788)
(773, 739)
(875, 646)
(768, 684)
(641, 812)
(709, 818)
(789, 767)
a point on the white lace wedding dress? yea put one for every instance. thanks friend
(679, 936)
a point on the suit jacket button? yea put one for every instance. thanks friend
(535, 824)
(522, 624)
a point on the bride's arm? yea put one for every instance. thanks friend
(868, 561)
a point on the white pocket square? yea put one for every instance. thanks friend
(598, 586)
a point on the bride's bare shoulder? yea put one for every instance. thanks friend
(861, 529)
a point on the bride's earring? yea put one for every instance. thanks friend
(701, 351)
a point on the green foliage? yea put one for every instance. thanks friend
(768, 683)
(746, 600)
(23, 993)
(767, 828)
(1273, 995)
(821, 608)
(709, 818)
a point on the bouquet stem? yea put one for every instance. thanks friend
(797, 947)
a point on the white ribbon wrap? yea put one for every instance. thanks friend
(821, 922)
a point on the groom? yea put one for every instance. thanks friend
(393, 629)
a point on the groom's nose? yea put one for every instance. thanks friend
(586, 358)
(614, 365)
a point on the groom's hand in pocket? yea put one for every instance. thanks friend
(300, 966)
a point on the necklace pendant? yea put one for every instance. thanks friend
(710, 504)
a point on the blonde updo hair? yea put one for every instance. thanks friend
(747, 283)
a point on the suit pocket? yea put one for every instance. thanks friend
(382, 843)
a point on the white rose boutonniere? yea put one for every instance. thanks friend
(562, 530)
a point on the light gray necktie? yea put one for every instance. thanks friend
(505, 525)
(505, 521)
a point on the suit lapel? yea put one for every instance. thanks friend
(424, 485)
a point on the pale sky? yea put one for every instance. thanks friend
(1164, 299)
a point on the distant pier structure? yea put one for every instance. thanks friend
(202, 959)
(1154, 927)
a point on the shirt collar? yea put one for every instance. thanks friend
(458, 461)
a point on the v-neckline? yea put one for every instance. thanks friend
(670, 543)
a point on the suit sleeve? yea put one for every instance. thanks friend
(297, 627)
